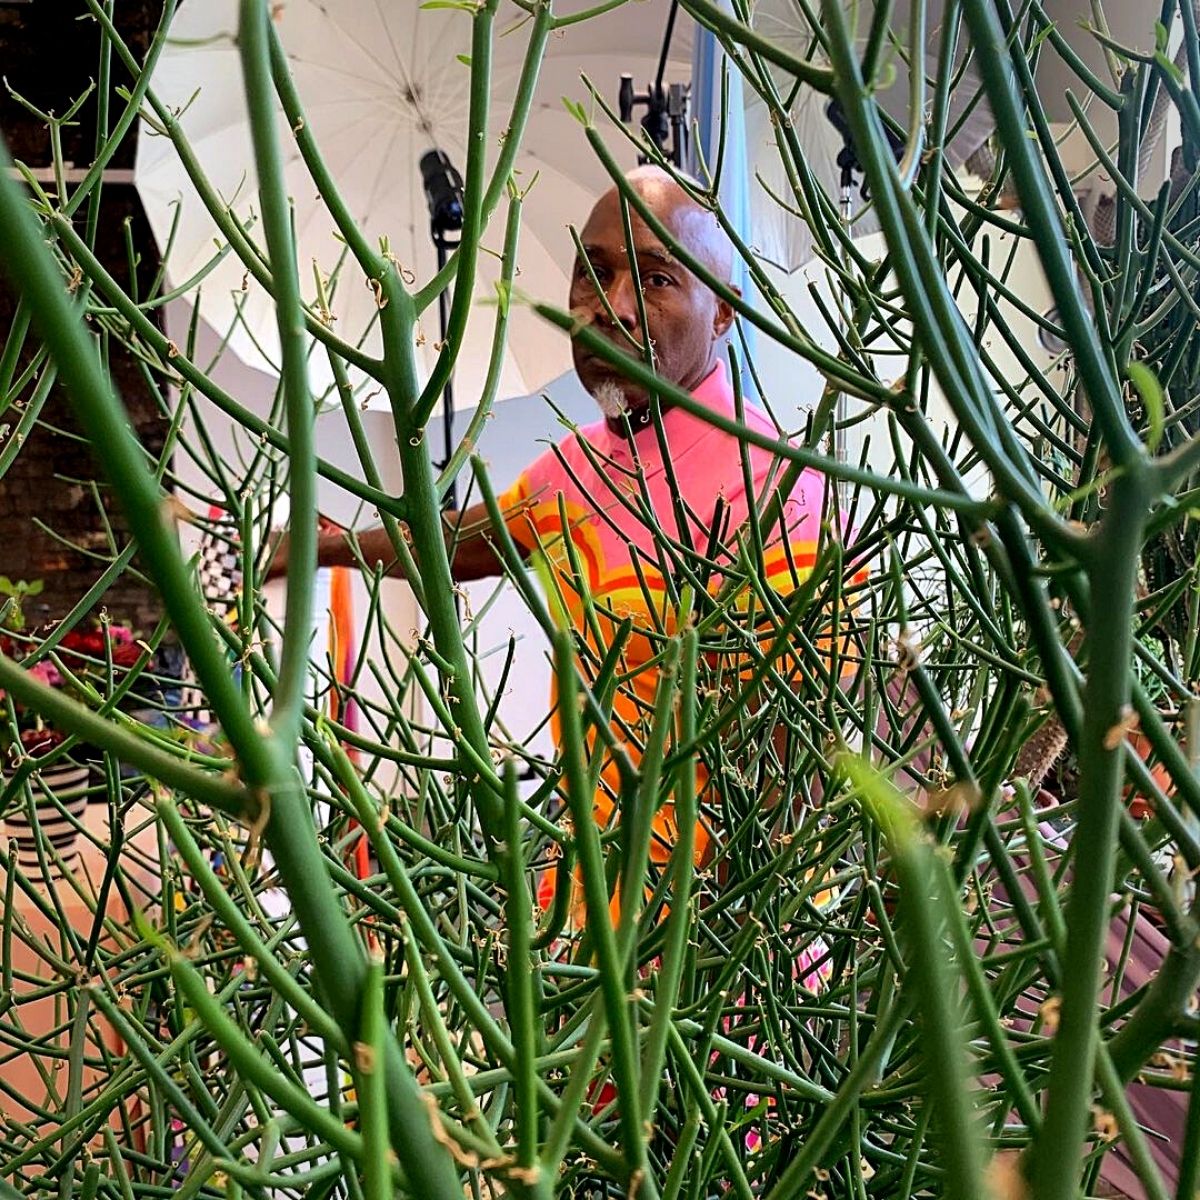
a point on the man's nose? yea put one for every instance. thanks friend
(622, 299)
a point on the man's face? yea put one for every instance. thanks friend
(684, 318)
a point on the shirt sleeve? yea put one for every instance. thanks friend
(531, 503)
(514, 507)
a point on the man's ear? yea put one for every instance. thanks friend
(723, 316)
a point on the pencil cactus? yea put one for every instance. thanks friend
(898, 974)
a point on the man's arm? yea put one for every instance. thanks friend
(470, 533)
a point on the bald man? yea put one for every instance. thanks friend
(686, 321)
(606, 556)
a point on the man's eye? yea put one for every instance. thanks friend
(658, 279)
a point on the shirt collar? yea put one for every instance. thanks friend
(713, 391)
(683, 428)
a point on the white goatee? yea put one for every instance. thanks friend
(611, 399)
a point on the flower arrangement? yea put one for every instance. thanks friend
(77, 663)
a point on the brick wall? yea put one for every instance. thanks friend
(55, 507)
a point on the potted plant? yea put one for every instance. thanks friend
(420, 1029)
(47, 780)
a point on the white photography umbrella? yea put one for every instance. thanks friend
(381, 85)
(783, 238)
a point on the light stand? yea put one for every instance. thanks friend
(444, 195)
(666, 119)
(847, 158)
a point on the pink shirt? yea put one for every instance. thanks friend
(594, 471)
(591, 477)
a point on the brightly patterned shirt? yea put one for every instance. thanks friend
(595, 485)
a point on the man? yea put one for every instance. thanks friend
(696, 480)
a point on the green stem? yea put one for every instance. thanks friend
(713, 16)
(429, 547)
(666, 984)
(252, 1065)
(928, 894)
(519, 969)
(223, 905)
(1058, 1150)
(473, 221)
(64, 713)
(370, 1054)
(254, 45)
(595, 888)
(994, 57)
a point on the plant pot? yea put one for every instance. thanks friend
(1139, 806)
(60, 796)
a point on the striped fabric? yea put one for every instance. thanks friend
(60, 797)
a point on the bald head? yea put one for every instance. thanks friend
(701, 232)
(683, 318)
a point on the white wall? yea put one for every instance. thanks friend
(255, 391)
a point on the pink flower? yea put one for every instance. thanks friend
(46, 672)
